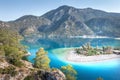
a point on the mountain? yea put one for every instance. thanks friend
(67, 21)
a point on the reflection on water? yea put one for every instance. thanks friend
(49, 44)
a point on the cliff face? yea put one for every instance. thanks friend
(67, 21)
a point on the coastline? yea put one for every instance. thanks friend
(72, 57)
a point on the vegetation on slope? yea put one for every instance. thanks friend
(12, 54)
(9, 70)
(10, 47)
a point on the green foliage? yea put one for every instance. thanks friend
(16, 62)
(25, 58)
(89, 50)
(29, 77)
(100, 78)
(42, 61)
(13, 56)
(10, 47)
(12, 52)
(2, 52)
(77, 50)
(69, 72)
(8, 70)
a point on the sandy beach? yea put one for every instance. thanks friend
(73, 57)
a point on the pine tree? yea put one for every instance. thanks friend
(42, 61)
(69, 72)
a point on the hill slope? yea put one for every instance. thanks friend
(67, 21)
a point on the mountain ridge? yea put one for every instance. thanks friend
(66, 21)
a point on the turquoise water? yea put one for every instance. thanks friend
(109, 70)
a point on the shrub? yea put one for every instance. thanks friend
(8, 70)
(29, 77)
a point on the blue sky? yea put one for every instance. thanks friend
(13, 9)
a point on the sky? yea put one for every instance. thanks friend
(13, 9)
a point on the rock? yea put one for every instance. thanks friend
(47, 75)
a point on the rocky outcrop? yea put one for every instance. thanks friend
(28, 70)
(50, 75)
(11, 72)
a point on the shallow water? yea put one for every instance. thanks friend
(109, 70)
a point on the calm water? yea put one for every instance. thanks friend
(109, 70)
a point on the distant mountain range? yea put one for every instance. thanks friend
(67, 21)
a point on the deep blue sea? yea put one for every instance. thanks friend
(108, 70)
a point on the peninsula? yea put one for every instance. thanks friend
(86, 53)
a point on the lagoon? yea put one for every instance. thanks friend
(109, 69)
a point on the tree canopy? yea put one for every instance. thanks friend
(42, 60)
(69, 71)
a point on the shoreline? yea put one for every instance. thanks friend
(72, 57)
